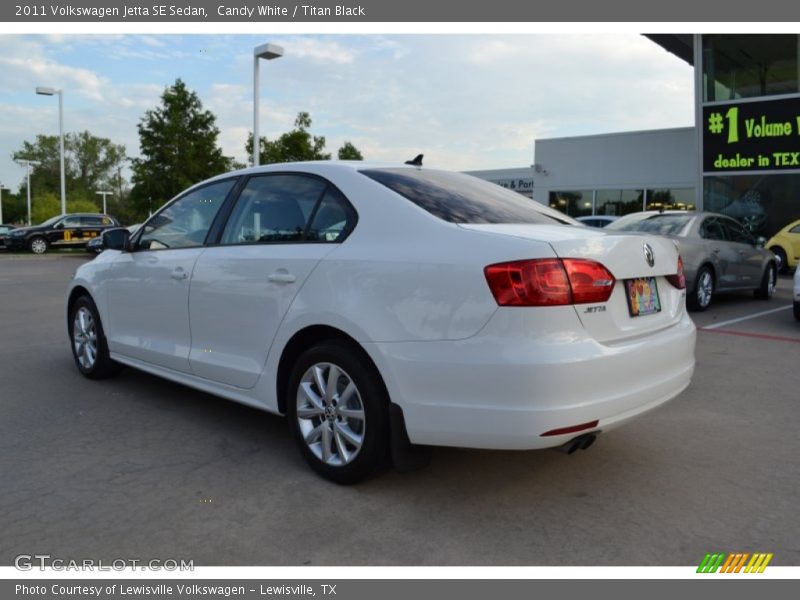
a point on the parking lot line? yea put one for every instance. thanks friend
(762, 336)
(747, 317)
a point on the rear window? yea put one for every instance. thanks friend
(459, 198)
(658, 224)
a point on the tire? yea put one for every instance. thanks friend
(88, 341)
(768, 280)
(702, 291)
(343, 439)
(38, 245)
(780, 254)
(796, 307)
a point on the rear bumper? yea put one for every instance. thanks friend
(503, 392)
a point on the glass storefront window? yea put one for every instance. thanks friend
(572, 203)
(764, 204)
(671, 199)
(618, 202)
(748, 65)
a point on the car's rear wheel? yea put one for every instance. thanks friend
(768, 281)
(38, 245)
(338, 410)
(703, 290)
(780, 254)
(88, 341)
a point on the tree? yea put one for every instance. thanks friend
(90, 163)
(349, 152)
(297, 145)
(178, 146)
(48, 205)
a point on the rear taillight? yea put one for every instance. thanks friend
(549, 282)
(679, 279)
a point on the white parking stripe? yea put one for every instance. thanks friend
(753, 316)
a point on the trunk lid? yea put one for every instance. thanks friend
(625, 256)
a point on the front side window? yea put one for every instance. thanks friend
(288, 208)
(71, 222)
(185, 222)
(459, 198)
(737, 233)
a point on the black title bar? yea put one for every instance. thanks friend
(367, 11)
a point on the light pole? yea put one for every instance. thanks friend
(28, 164)
(47, 91)
(2, 187)
(104, 194)
(267, 52)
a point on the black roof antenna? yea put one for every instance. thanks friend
(416, 162)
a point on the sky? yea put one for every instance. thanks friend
(467, 102)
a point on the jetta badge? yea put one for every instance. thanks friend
(649, 256)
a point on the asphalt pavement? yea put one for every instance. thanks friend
(137, 467)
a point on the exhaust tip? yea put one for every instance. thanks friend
(582, 442)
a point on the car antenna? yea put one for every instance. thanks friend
(416, 162)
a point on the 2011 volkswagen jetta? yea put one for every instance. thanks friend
(387, 308)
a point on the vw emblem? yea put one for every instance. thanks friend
(649, 256)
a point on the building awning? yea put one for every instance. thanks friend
(680, 44)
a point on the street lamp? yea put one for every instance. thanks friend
(2, 187)
(47, 91)
(104, 194)
(28, 164)
(267, 52)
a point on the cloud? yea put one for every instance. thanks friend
(466, 101)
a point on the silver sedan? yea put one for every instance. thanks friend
(719, 254)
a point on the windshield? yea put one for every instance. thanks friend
(459, 198)
(657, 224)
(51, 220)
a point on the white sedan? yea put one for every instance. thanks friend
(384, 309)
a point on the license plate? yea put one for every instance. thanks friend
(642, 296)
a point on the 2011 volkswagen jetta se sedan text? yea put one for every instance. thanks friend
(383, 309)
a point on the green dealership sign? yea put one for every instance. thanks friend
(752, 136)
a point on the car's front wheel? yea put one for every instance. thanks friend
(38, 245)
(768, 282)
(88, 341)
(337, 408)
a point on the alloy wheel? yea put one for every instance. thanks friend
(705, 288)
(84, 338)
(38, 246)
(330, 414)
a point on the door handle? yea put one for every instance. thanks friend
(282, 276)
(716, 250)
(179, 274)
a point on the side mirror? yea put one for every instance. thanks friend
(116, 239)
(761, 241)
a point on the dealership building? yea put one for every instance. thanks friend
(742, 157)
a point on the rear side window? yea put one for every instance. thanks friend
(459, 198)
(712, 229)
(93, 221)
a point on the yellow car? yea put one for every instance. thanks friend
(786, 245)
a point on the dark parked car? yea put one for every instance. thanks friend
(719, 254)
(4, 231)
(63, 231)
